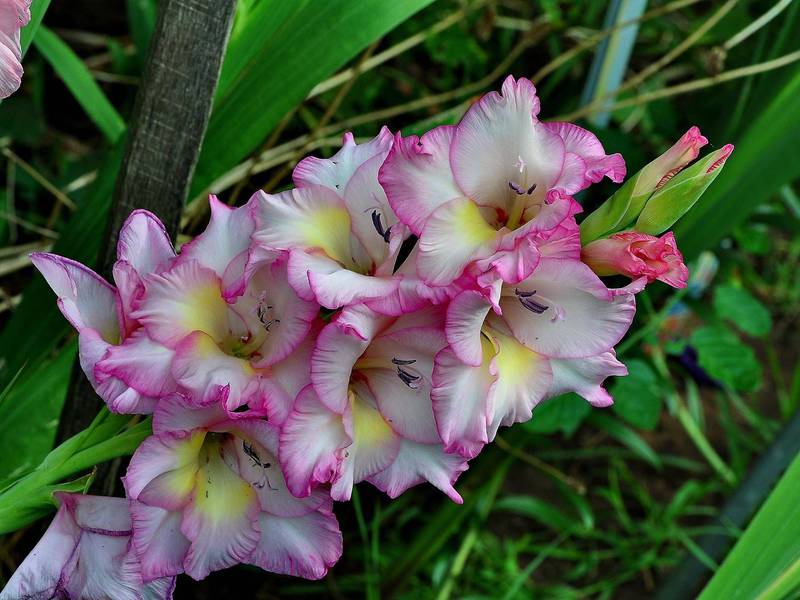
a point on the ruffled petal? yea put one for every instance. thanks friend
(210, 375)
(333, 286)
(523, 380)
(227, 235)
(338, 347)
(375, 444)
(140, 363)
(460, 399)
(417, 176)
(184, 299)
(144, 243)
(336, 171)
(164, 470)
(221, 521)
(500, 140)
(312, 443)
(371, 216)
(157, 540)
(596, 164)
(308, 218)
(563, 310)
(14, 15)
(84, 298)
(454, 234)
(418, 463)
(465, 316)
(304, 546)
(585, 377)
(256, 447)
(119, 397)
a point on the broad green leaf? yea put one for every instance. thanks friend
(29, 414)
(38, 8)
(562, 413)
(80, 82)
(736, 305)
(279, 51)
(637, 397)
(725, 358)
(142, 21)
(765, 562)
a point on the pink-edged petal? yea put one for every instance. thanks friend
(460, 399)
(523, 380)
(208, 374)
(291, 375)
(119, 397)
(333, 286)
(596, 163)
(499, 140)
(371, 216)
(157, 540)
(375, 444)
(164, 470)
(227, 235)
(277, 319)
(564, 241)
(256, 447)
(144, 243)
(184, 299)
(312, 443)
(418, 463)
(39, 575)
(339, 345)
(585, 377)
(577, 316)
(417, 177)
(304, 546)
(454, 234)
(336, 171)
(221, 521)
(308, 218)
(84, 298)
(14, 14)
(140, 363)
(181, 415)
(85, 553)
(465, 316)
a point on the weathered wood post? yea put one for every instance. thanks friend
(167, 126)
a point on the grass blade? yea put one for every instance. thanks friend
(79, 80)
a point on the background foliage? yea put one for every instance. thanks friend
(578, 502)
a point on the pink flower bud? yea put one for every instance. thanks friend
(637, 255)
(666, 166)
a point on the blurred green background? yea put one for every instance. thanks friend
(577, 503)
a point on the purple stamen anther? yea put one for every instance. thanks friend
(400, 361)
(516, 188)
(376, 222)
(531, 189)
(526, 299)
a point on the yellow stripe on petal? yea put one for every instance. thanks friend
(469, 222)
(513, 360)
(329, 230)
(369, 427)
(221, 495)
(206, 311)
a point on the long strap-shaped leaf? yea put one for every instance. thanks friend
(765, 563)
(79, 80)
